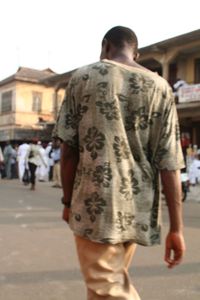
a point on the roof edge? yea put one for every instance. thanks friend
(171, 40)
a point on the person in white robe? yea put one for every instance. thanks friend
(42, 170)
(1, 163)
(50, 160)
(194, 172)
(21, 154)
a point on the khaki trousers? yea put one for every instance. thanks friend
(105, 269)
(56, 174)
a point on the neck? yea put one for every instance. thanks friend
(125, 59)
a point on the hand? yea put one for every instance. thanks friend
(65, 215)
(174, 249)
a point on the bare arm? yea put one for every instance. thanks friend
(175, 245)
(69, 162)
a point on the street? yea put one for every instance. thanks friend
(38, 259)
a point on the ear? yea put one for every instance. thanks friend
(136, 56)
(104, 49)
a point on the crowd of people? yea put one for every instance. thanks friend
(45, 163)
(40, 160)
(193, 164)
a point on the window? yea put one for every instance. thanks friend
(37, 102)
(56, 102)
(6, 102)
(59, 101)
(197, 70)
(53, 102)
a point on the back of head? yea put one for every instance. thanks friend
(34, 140)
(121, 36)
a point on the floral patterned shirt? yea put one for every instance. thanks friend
(124, 122)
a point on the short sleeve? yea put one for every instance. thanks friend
(66, 127)
(168, 154)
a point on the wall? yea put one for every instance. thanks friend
(22, 116)
(24, 95)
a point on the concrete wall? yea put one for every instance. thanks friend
(24, 96)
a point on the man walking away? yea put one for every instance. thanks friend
(120, 133)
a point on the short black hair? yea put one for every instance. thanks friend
(120, 35)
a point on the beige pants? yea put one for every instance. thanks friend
(56, 174)
(105, 269)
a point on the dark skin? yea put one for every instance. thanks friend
(174, 243)
(127, 56)
(69, 163)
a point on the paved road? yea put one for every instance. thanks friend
(38, 259)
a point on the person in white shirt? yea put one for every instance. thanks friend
(21, 154)
(194, 171)
(178, 84)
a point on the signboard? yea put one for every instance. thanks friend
(189, 93)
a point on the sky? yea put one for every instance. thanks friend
(66, 34)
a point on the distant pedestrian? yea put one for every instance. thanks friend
(33, 160)
(177, 85)
(42, 170)
(194, 171)
(21, 155)
(49, 151)
(7, 153)
(56, 154)
(14, 167)
(1, 163)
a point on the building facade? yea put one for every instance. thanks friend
(27, 106)
(30, 99)
(174, 59)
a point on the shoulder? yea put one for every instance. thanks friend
(94, 67)
(160, 85)
(158, 80)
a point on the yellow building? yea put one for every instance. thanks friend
(27, 106)
(179, 58)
